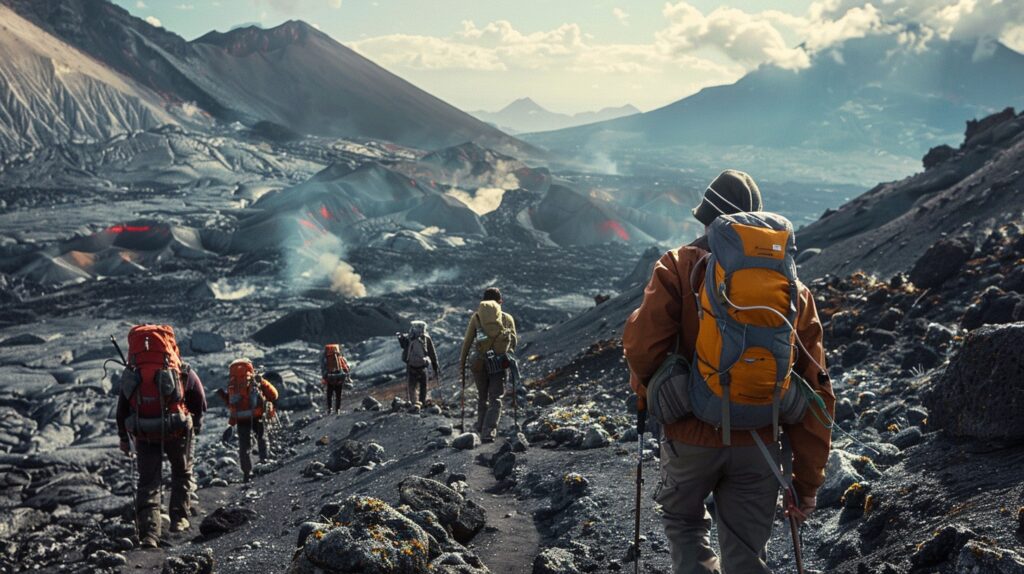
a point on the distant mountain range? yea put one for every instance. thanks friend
(293, 77)
(870, 95)
(525, 115)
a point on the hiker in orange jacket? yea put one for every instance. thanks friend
(250, 406)
(694, 460)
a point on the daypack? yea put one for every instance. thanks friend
(740, 375)
(335, 367)
(416, 350)
(492, 334)
(154, 384)
(245, 397)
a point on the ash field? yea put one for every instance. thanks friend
(152, 193)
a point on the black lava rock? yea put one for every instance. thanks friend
(981, 393)
(224, 520)
(943, 260)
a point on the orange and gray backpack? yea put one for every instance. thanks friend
(245, 397)
(747, 302)
(154, 384)
(334, 368)
(748, 306)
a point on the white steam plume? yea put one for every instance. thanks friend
(482, 201)
(319, 260)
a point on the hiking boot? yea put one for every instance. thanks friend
(247, 478)
(487, 439)
(180, 525)
(148, 542)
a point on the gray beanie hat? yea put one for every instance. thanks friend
(731, 192)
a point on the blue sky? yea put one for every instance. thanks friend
(577, 55)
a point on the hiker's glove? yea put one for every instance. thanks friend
(125, 447)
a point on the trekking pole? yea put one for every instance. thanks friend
(515, 405)
(641, 425)
(118, 348)
(794, 529)
(135, 485)
(462, 400)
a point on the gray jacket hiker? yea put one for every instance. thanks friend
(418, 354)
(490, 330)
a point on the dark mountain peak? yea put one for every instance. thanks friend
(248, 40)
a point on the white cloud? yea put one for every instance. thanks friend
(140, 4)
(154, 21)
(186, 6)
(621, 15)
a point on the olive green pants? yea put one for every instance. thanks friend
(490, 390)
(746, 493)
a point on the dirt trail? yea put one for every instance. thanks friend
(284, 498)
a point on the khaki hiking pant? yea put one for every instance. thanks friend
(745, 492)
(417, 379)
(245, 431)
(490, 390)
(147, 504)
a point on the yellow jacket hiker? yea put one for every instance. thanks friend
(492, 332)
(695, 461)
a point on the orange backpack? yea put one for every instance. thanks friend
(334, 366)
(154, 384)
(245, 395)
(747, 305)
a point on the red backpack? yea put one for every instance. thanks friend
(245, 397)
(154, 384)
(335, 367)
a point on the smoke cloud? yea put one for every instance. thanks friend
(317, 260)
(482, 201)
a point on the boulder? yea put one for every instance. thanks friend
(466, 441)
(555, 561)
(942, 546)
(504, 464)
(224, 520)
(978, 557)
(206, 342)
(994, 307)
(464, 517)
(458, 563)
(981, 393)
(370, 404)
(941, 261)
(192, 563)
(349, 453)
(841, 472)
(595, 437)
(368, 536)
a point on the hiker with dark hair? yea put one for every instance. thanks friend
(490, 337)
(334, 375)
(726, 301)
(250, 399)
(160, 410)
(418, 354)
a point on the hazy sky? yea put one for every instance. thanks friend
(578, 55)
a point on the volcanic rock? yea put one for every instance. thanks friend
(207, 342)
(942, 260)
(192, 563)
(464, 517)
(942, 546)
(983, 558)
(348, 454)
(224, 520)
(555, 561)
(339, 323)
(466, 441)
(367, 535)
(981, 393)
